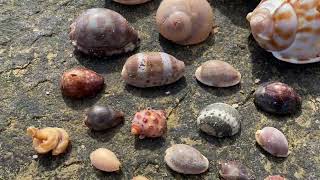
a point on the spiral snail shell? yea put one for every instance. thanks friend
(290, 29)
(185, 22)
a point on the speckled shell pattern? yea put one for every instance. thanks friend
(293, 32)
(152, 69)
(131, 2)
(103, 32)
(219, 120)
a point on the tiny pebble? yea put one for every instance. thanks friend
(257, 81)
(235, 105)
(35, 156)
(168, 92)
(83, 147)
(47, 92)
(71, 55)
(318, 99)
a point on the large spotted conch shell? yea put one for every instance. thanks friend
(290, 29)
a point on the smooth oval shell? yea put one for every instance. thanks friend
(149, 123)
(103, 32)
(185, 22)
(219, 120)
(105, 160)
(273, 141)
(218, 74)
(186, 159)
(278, 98)
(131, 2)
(276, 177)
(152, 69)
(100, 118)
(288, 29)
(233, 170)
(81, 82)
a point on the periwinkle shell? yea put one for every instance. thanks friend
(218, 74)
(273, 141)
(103, 32)
(105, 160)
(186, 159)
(277, 98)
(219, 120)
(100, 118)
(131, 2)
(234, 170)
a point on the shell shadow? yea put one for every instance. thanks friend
(277, 160)
(149, 143)
(228, 91)
(281, 117)
(106, 135)
(220, 142)
(109, 175)
(159, 91)
(177, 175)
(187, 54)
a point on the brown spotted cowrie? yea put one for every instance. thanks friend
(151, 69)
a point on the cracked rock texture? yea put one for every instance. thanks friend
(35, 50)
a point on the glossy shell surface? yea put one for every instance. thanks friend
(219, 120)
(218, 74)
(277, 98)
(152, 69)
(149, 123)
(100, 118)
(105, 160)
(273, 141)
(81, 82)
(186, 159)
(103, 32)
(234, 170)
(288, 29)
(185, 22)
(131, 2)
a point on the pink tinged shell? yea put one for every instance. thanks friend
(105, 160)
(131, 2)
(185, 22)
(276, 177)
(218, 74)
(152, 69)
(186, 159)
(103, 32)
(273, 141)
(232, 170)
(149, 123)
(290, 30)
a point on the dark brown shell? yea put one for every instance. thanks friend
(103, 32)
(234, 170)
(81, 82)
(278, 98)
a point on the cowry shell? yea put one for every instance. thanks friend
(273, 141)
(131, 2)
(152, 69)
(218, 74)
(219, 120)
(288, 29)
(186, 159)
(278, 98)
(233, 170)
(185, 22)
(103, 32)
(105, 160)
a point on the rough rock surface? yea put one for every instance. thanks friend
(35, 50)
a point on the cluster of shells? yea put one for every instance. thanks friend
(103, 32)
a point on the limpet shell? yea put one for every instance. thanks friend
(273, 141)
(105, 160)
(218, 74)
(219, 120)
(233, 170)
(186, 159)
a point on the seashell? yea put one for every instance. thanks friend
(49, 139)
(276, 177)
(105, 160)
(140, 178)
(103, 32)
(185, 22)
(219, 120)
(131, 2)
(278, 98)
(232, 170)
(81, 82)
(273, 141)
(288, 29)
(218, 74)
(152, 69)
(186, 159)
(149, 123)
(100, 118)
